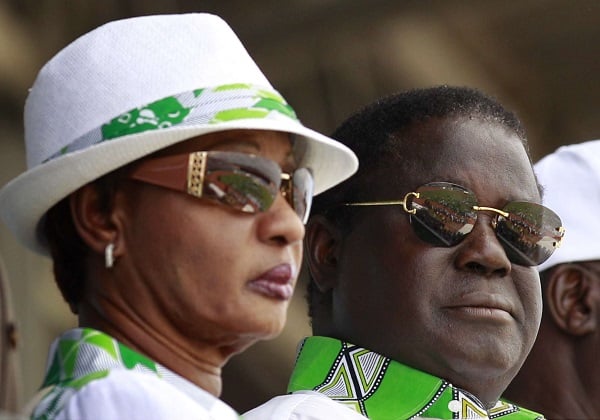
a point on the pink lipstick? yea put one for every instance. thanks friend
(276, 283)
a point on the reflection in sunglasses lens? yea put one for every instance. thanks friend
(241, 190)
(444, 215)
(531, 231)
(257, 192)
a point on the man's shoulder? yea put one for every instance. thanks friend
(302, 405)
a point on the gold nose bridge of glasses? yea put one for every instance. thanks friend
(492, 209)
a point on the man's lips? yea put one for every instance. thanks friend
(483, 305)
(275, 283)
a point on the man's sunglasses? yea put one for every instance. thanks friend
(443, 214)
(242, 181)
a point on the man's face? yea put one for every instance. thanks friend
(464, 313)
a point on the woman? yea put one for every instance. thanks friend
(169, 183)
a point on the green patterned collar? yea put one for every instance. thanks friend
(381, 388)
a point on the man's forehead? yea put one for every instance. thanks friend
(456, 150)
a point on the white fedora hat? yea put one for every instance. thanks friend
(134, 86)
(570, 177)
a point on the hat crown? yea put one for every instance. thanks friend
(125, 64)
(135, 86)
(570, 177)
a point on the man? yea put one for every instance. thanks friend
(424, 297)
(560, 377)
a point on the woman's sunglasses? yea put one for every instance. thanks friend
(242, 181)
(442, 214)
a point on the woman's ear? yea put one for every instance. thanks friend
(322, 243)
(571, 299)
(92, 218)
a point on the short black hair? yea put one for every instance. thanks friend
(372, 133)
(368, 132)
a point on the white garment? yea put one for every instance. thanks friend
(90, 375)
(126, 394)
(302, 405)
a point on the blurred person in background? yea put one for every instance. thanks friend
(9, 369)
(561, 375)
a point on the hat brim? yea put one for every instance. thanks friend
(25, 200)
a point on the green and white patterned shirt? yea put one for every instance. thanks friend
(91, 375)
(333, 379)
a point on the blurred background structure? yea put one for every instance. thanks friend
(541, 58)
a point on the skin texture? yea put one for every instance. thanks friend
(560, 378)
(464, 313)
(182, 290)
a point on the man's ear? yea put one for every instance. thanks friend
(92, 218)
(570, 299)
(322, 243)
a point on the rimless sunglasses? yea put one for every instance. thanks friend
(443, 214)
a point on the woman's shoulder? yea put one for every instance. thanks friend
(115, 393)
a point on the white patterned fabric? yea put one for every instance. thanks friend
(90, 375)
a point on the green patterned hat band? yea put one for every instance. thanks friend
(205, 106)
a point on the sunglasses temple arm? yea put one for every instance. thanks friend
(389, 203)
(168, 172)
(376, 203)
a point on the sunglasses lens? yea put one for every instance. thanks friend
(530, 234)
(244, 182)
(301, 194)
(444, 213)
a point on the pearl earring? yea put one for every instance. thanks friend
(109, 259)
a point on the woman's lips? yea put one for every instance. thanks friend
(276, 283)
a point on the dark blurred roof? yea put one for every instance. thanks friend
(329, 57)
